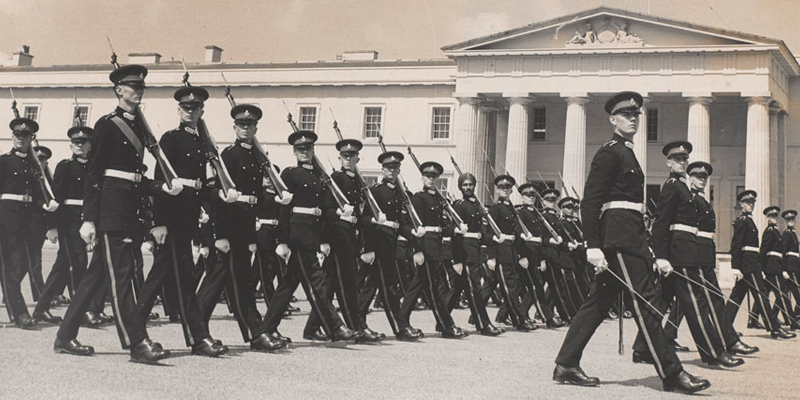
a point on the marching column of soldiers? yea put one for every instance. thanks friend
(557, 259)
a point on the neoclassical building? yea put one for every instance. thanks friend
(527, 101)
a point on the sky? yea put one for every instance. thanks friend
(74, 31)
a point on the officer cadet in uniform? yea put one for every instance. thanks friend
(304, 241)
(571, 225)
(550, 255)
(503, 255)
(747, 269)
(467, 257)
(429, 276)
(72, 258)
(265, 265)
(175, 224)
(19, 199)
(37, 233)
(791, 255)
(675, 246)
(235, 233)
(381, 246)
(342, 264)
(617, 247)
(771, 257)
(113, 190)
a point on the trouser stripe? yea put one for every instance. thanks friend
(478, 320)
(714, 315)
(517, 319)
(107, 250)
(389, 312)
(700, 319)
(179, 285)
(30, 268)
(235, 298)
(764, 310)
(312, 298)
(3, 266)
(341, 294)
(433, 295)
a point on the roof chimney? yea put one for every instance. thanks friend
(144, 58)
(358, 55)
(213, 54)
(22, 57)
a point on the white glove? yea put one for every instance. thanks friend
(419, 258)
(737, 275)
(555, 241)
(381, 218)
(287, 198)
(204, 252)
(368, 258)
(345, 211)
(491, 263)
(252, 247)
(223, 245)
(461, 229)
(283, 251)
(785, 274)
(325, 249)
(572, 246)
(497, 239)
(229, 197)
(159, 234)
(87, 232)
(664, 266)
(148, 246)
(418, 232)
(320, 259)
(459, 268)
(597, 258)
(52, 206)
(52, 236)
(525, 237)
(204, 218)
(177, 187)
(543, 265)
(523, 262)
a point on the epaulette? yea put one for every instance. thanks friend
(610, 143)
(458, 201)
(109, 115)
(671, 180)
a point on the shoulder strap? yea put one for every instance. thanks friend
(128, 132)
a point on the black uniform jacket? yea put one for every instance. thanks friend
(771, 243)
(531, 249)
(615, 175)
(468, 249)
(790, 245)
(237, 220)
(16, 177)
(745, 233)
(504, 215)
(308, 191)
(113, 203)
(706, 222)
(431, 213)
(675, 207)
(390, 201)
(68, 179)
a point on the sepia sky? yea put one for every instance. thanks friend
(74, 31)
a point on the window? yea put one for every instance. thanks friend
(308, 118)
(538, 124)
(539, 185)
(441, 185)
(371, 180)
(440, 123)
(81, 112)
(31, 112)
(373, 117)
(652, 125)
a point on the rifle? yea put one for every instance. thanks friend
(41, 175)
(371, 202)
(416, 221)
(539, 197)
(341, 200)
(522, 226)
(210, 147)
(76, 117)
(150, 141)
(484, 214)
(262, 155)
(447, 206)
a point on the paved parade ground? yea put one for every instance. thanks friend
(514, 365)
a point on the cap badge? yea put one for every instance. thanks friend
(191, 96)
(633, 102)
(246, 113)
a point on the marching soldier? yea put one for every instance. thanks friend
(266, 265)
(571, 224)
(175, 219)
(38, 231)
(773, 266)
(113, 191)
(791, 254)
(612, 217)
(72, 258)
(551, 254)
(747, 269)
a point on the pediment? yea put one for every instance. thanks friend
(607, 28)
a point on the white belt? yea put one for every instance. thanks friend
(390, 224)
(25, 198)
(351, 219)
(128, 176)
(307, 210)
(272, 222)
(73, 202)
(705, 235)
(750, 248)
(472, 235)
(792, 254)
(196, 184)
(446, 239)
(504, 237)
(535, 239)
(434, 229)
(624, 205)
(684, 228)
(247, 198)
(775, 254)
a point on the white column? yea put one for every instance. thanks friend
(757, 155)
(774, 182)
(782, 159)
(699, 128)
(640, 142)
(467, 133)
(575, 143)
(516, 162)
(482, 148)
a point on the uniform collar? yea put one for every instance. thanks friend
(621, 139)
(470, 198)
(189, 129)
(80, 160)
(18, 153)
(125, 114)
(430, 191)
(349, 172)
(307, 166)
(246, 145)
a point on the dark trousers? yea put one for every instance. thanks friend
(303, 268)
(267, 265)
(531, 289)
(232, 270)
(33, 250)
(14, 265)
(341, 268)
(783, 304)
(115, 265)
(506, 276)
(754, 283)
(172, 268)
(793, 289)
(469, 281)
(556, 295)
(427, 282)
(67, 270)
(635, 270)
(384, 274)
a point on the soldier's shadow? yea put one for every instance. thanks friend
(652, 382)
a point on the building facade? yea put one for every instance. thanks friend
(528, 101)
